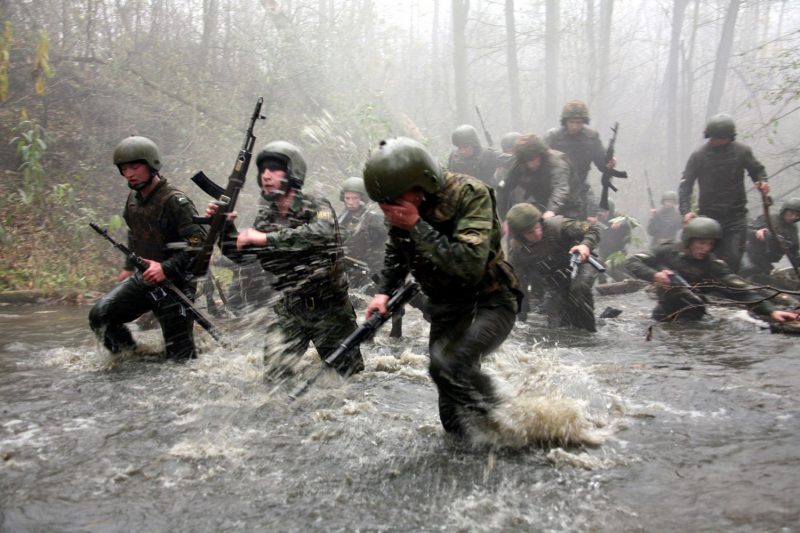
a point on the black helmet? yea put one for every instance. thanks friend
(720, 126)
(466, 135)
(289, 157)
(508, 140)
(522, 217)
(701, 228)
(399, 165)
(137, 148)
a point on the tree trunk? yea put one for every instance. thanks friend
(210, 21)
(723, 57)
(460, 12)
(591, 53)
(671, 79)
(551, 54)
(604, 59)
(514, 97)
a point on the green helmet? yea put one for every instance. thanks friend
(137, 148)
(399, 165)
(720, 126)
(466, 135)
(508, 140)
(701, 228)
(791, 203)
(574, 109)
(289, 156)
(353, 184)
(522, 218)
(528, 147)
(669, 195)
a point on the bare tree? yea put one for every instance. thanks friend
(512, 67)
(723, 57)
(552, 52)
(460, 13)
(671, 79)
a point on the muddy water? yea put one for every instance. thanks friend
(696, 430)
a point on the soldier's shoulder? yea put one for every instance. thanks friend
(590, 133)
(554, 133)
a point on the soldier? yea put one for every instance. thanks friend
(582, 146)
(157, 215)
(470, 157)
(764, 248)
(614, 238)
(718, 167)
(686, 270)
(296, 238)
(505, 160)
(539, 176)
(445, 231)
(665, 222)
(540, 251)
(363, 233)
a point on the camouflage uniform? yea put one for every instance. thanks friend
(567, 302)
(547, 187)
(719, 173)
(164, 216)
(709, 276)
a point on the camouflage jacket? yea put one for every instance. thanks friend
(719, 173)
(454, 250)
(707, 276)
(303, 251)
(481, 165)
(548, 187)
(549, 258)
(165, 216)
(364, 235)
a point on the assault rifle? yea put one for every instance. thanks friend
(486, 133)
(649, 192)
(677, 280)
(225, 198)
(165, 289)
(575, 264)
(609, 173)
(362, 333)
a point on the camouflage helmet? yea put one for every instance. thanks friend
(574, 109)
(528, 147)
(353, 184)
(792, 204)
(672, 196)
(137, 148)
(720, 126)
(287, 154)
(397, 166)
(701, 228)
(465, 135)
(508, 140)
(522, 217)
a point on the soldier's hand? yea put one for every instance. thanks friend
(154, 273)
(583, 250)
(548, 214)
(784, 316)
(124, 274)
(653, 212)
(378, 305)
(213, 208)
(689, 216)
(611, 163)
(761, 234)
(250, 237)
(663, 277)
(402, 213)
(762, 186)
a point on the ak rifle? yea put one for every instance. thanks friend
(575, 264)
(165, 289)
(362, 333)
(225, 198)
(649, 191)
(609, 173)
(486, 133)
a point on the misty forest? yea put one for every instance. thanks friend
(337, 76)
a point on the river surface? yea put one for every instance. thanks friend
(695, 430)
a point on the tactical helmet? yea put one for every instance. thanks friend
(522, 217)
(466, 135)
(528, 147)
(399, 165)
(137, 148)
(574, 109)
(353, 184)
(669, 195)
(508, 140)
(791, 203)
(290, 156)
(701, 228)
(720, 126)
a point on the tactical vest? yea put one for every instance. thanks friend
(151, 223)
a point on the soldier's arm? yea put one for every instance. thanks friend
(754, 167)
(395, 268)
(737, 289)
(583, 233)
(687, 185)
(645, 265)
(464, 255)
(318, 234)
(182, 216)
(598, 154)
(562, 176)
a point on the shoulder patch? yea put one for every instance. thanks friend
(195, 240)
(183, 200)
(325, 213)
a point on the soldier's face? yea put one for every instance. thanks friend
(669, 204)
(352, 201)
(574, 125)
(534, 163)
(700, 248)
(465, 151)
(272, 180)
(136, 173)
(790, 216)
(719, 141)
(535, 234)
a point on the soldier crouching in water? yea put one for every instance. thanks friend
(539, 249)
(445, 231)
(296, 238)
(157, 214)
(363, 234)
(683, 271)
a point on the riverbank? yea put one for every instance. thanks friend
(54, 296)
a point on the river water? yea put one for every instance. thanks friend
(695, 430)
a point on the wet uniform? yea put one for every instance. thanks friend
(548, 187)
(762, 254)
(364, 236)
(481, 165)
(664, 225)
(582, 149)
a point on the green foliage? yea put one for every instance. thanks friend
(6, 42)
(41, 64)
(615, 260)
(31, 148)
